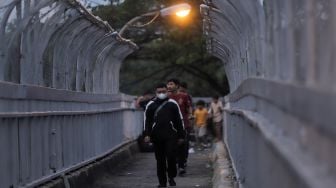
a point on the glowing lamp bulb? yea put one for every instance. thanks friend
(183, 13)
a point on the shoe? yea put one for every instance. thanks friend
(172, 182)
(182, 171)
(191, 150)
(162, 186)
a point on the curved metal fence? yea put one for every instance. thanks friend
(279, 59)
(60, 106)
(59, 44)
(45, 133)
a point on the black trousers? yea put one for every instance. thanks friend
(165, 154)
(183, 152)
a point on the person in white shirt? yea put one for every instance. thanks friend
(215, 111)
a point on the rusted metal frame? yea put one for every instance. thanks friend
(89, 16)
(96, 20)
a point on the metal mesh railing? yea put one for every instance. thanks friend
(48, 50)
(279, 60)
(59, 44)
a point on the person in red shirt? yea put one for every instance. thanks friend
(183, 89)
(184, 103)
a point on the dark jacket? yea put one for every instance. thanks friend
(169, 122)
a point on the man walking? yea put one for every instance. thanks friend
(185, 105)
(216, 112)
(164, 127)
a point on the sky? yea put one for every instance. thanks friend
(94, 2)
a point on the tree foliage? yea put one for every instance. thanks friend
(168, 48)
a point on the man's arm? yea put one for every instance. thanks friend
(210, 111)
(221, 108)
(188, 104)
(137, 103)
(178, 121)
(194, 117)
(148, 119)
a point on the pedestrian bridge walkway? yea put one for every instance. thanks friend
(140, 171)
(61, 109)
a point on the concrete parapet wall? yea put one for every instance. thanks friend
(274, 142)
(279, 117)
(28, 98)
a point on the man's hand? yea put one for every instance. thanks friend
(180, 141)
(147, 139)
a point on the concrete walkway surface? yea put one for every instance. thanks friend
(222, 168)
(140, 172)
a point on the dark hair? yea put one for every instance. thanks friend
(147, 92)
(215, 97)
(175, 81)
(161, 85)
(200, 102)
(184, 85)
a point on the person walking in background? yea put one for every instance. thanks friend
(200, 115)
(184, 103)
(143, 100)
(215, 111)
(164, 127)
(183, 88)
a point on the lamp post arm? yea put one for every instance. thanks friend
(181, 10)
(135, 19)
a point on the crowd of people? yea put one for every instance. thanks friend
(172, 123)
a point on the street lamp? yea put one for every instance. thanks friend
(180, 10)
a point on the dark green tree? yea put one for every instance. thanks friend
(168, 48)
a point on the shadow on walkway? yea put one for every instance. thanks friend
(140, 172)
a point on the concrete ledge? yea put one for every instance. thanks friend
(32, 92)
(292, 99)
(85, 176)
(223, 174)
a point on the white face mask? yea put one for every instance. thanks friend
(161, 95)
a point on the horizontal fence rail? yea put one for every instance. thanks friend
(60, 105)
(40, 145)
(279, 118)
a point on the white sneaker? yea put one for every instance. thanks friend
(191, 150)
